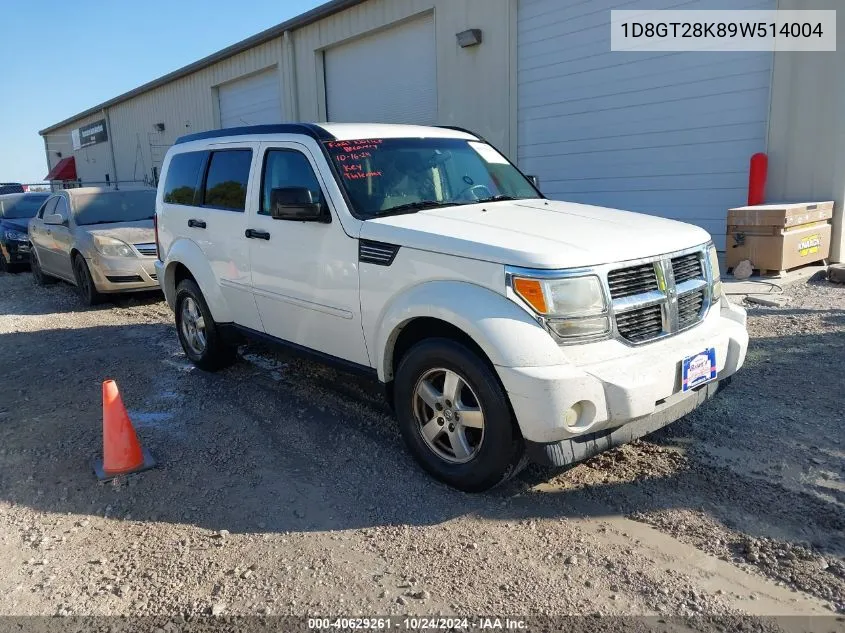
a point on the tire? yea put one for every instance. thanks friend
(202, 342)
(462, 455)
(84, 282)
(39, 277)
(4, 266)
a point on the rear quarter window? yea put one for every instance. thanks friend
(181, 185)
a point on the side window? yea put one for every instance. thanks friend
(227, 178)
(287, 168)
(49, 207)
(62, 208)
(183, 176)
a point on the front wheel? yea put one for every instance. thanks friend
(199, 335)
(84, 282)
(455, 418)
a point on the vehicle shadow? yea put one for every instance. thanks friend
(297, 447)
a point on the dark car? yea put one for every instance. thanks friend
(11, 187)
(16, 209)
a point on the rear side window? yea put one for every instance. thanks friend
(183, 177)
(227, 178)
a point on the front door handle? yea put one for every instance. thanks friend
(255, 234)
(197, 224)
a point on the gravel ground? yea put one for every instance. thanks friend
(283, 487)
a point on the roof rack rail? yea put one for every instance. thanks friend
(309, 129)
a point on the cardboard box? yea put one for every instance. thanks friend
(777, 237)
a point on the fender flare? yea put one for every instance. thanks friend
(187, 253)
(508, 334)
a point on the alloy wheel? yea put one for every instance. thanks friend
(449, 415)
(193, 326)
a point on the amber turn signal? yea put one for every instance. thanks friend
(531, 291)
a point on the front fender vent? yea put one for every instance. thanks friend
(378, 253)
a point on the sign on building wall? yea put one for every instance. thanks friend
(90, 134)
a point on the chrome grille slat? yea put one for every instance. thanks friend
(636, 280)
(687, 267)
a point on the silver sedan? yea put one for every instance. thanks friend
(100, 240)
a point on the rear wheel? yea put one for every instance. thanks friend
(84, 282)
(38, 275)
(199, 335)
(455, 418)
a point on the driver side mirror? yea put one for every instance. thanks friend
(297, 203)
(54, 218)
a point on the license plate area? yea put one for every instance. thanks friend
(698, 369)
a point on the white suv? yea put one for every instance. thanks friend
(504, 326)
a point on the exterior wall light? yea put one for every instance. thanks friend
(470, 37)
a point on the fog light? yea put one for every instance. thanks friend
(570, 418)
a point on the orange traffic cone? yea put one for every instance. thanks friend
(122, 453)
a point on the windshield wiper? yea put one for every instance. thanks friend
(496, 199)
(411, 207)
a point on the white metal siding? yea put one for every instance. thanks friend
(389, 76)
(253, 100)
(663, 133)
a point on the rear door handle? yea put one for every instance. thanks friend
(197, 224)
(255, 234)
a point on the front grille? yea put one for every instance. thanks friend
(687, 267)
(123, 279)
(646, 303)
(147, 249)
(641, 324)
(626, 282)
(689, 308)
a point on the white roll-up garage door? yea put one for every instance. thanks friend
(663, 133)
(389, 76)
(253, 100)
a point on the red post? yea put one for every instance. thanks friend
(757, 179)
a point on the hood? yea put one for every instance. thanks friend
(536, 233)
(139, 232)
(15, 224)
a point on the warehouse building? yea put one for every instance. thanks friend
(663, 133)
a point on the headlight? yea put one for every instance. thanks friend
(573, 307)
(713, 259)
(15, 236)
(112, 247)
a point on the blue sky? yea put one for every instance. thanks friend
(57, 59)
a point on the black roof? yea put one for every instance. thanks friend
(308, 129)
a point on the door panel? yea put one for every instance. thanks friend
(215, 225)
(305, 276)
(63, 241)
(41, 235)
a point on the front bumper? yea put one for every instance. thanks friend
(123, 274)
(15, 252)
(610, 384)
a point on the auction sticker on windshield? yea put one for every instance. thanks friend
(699, 369)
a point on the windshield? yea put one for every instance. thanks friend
(23, 206)
(403, 175)
(114, 206)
